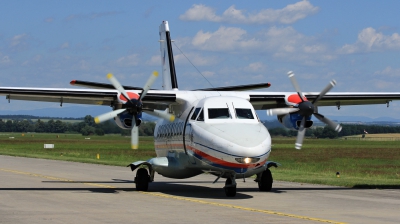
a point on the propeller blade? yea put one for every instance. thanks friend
(161, 114)
(300, 134)
(295, 85)
(117, 85)
(108, 116)
(281, 111)
(324, 91)
(148, 84)
(333, 125)
(134, 135)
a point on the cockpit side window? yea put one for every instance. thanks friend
(201, 116)
(244, 113)
(195, 113)
(218, 113)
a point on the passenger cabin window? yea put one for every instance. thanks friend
(218, 113)
(195, 113)
(201, 116)
(243, 113)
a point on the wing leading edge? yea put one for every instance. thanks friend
(264, 101)
(154, 99)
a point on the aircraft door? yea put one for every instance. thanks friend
(188, 134)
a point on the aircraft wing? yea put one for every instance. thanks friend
(153, 99)
(269, 100)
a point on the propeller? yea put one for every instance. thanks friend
(134, 107)
(306, 108)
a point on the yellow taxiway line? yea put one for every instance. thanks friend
(270, 212)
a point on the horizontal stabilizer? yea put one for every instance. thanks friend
(238, 88)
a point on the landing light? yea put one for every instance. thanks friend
(247, 160)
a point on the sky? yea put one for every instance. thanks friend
(357, 43)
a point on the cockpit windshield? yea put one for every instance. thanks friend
(195, 113)
(244, 113)
(218, 113)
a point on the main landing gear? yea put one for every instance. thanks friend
(230, 186)
(142, 179)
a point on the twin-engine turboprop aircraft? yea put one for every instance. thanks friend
(212, 130)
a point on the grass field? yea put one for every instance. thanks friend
(371, 164)
(375, 137)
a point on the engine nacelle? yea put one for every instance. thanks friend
(124, 120)
(293, 121)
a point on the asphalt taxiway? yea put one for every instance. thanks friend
(48, 191)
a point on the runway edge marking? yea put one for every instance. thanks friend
(181, 198)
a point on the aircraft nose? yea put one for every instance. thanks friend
(242, 139)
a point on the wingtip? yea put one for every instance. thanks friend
(155, 73)
(96, 120)
(134, 146)
(109, 75)
(72, 82)
(172, 118)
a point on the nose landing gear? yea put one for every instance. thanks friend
(265, 180)
(230, 186)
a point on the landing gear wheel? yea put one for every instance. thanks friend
(230, 190)
(265, 183)
(142, 179)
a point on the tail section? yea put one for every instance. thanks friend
(167, 58)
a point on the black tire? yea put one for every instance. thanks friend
(265, 183)
(142, 180)
(231, 190)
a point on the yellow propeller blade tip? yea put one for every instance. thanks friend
(96, 120)
(109, 75)
(155, 73)
(172, 118)
(135, 146)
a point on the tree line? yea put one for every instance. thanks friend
(89, 127)
(85, 127)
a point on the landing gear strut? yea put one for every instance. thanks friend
(265, 180)
(230, 187)
(142, 180)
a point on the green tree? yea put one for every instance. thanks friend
(59, 127)
(2, 126)
(9, 126)
(87, 130)
(89, 120)
(40, 126)
(99, 131)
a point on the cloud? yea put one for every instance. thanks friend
(196, 59)
(19, 42)
(287, 15)
(64, 45)
(127, 61)
(388, 72)
(255, 67)
(285, 43)
(224, 39)
(369, 40)
(154, 60)
(36, 59)
(4, 60)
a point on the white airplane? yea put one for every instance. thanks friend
(214, 130)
